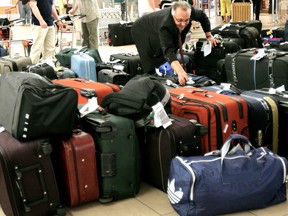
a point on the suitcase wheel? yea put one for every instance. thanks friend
(105, 200)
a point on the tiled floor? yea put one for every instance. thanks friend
(150, 201)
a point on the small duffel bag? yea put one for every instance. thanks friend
(227, 181)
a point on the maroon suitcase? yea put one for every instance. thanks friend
(222, 114)
(27, 180)
(75, 164)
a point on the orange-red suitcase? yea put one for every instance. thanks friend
(79, 84)
(75, 165)
(222, 114)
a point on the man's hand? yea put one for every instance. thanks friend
(43, 24)
(182, 77)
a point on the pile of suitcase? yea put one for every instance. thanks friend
(60, 149)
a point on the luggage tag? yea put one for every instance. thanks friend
(2, 129)
(160, 116)
(206, 48)
(91, 106)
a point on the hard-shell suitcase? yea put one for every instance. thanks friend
(113, 76)
(118, 155)
(27, 180)
(84, 66)
(248, 74)
(182, 137)
(79, 84)
(74, 162)
(133, 62)
(222, 114)
(120, 34)
(17, 63)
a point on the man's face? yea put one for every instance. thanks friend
(181, 18)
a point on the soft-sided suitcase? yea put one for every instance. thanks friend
(222, 114)
(282, 102)
(79, 84)
(248, 74)
(43, 69)
(133, 62)
(182, 137)
(118, 155)
(120, 34)
(248, 36)
(207, 65)
(113, 76)
(31, 106)
(84, 66)
(17, 63)
(27, 180)
(5, 67)
(74, 162)
(223, 183)
(263, 115)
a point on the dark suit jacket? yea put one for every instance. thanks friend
(156, 36)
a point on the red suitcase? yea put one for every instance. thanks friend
(101, 89)
(75, 166)
(222, 114)
(27, 180)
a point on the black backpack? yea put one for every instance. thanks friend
(137, 97)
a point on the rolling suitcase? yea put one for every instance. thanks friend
(263, 117)
(27, 180)
(222, 114)
(133, 62)
(282, 102)
(118, 155)
(80, 85)
(120, 34)
(74, 162)
(207, 65)
(161, 145)
(84, 66)
(248, 74)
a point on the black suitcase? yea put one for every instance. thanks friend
(31, 106)
(27, 181)
(120, 34)
(43, 69)
(247, 74)
(282, 100)
(133, 62)
(248, 34)
(117, 154)
(207, 65)
(183, 137)
(113, 76)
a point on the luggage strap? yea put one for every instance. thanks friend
(270, 70)
(275, 123)
(234, 74)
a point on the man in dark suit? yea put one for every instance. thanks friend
(156, 36)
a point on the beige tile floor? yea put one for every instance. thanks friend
(150, 201)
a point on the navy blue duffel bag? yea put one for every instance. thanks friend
(227, 181)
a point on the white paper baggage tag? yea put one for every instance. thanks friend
(91, 106)
(160, 116)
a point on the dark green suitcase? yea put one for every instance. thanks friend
(118, 155)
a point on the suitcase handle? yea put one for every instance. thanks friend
(205, 92)
(19, 172)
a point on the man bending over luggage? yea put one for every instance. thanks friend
(156, 36)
